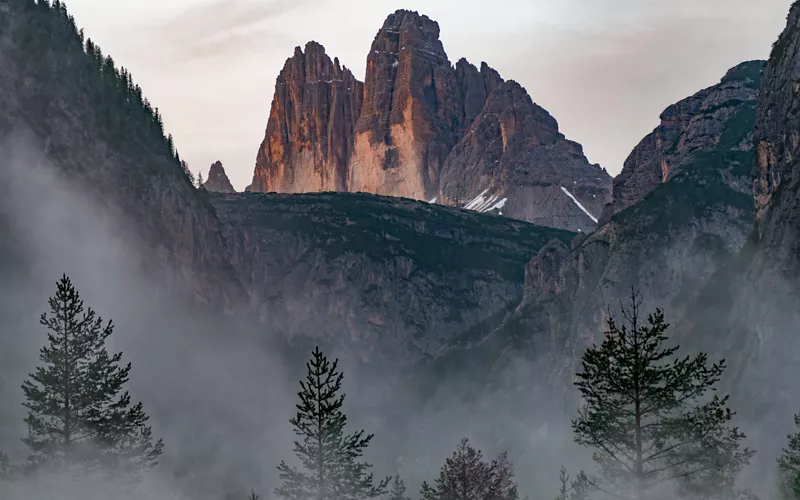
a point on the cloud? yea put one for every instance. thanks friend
(218, 29)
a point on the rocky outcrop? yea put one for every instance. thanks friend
(412, 111)
(475, 86)
(218, 181)
(309, 137)
(697, 123)
(513, 159)
(391, 279)
(669, 244)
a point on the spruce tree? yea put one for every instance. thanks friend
(5, 467)
(187, 171)
(398, 489)
(331, 468)
(654, 419)
(577, 489)
(466, 476)
(78, 412)
(200, 179)
(789, 463)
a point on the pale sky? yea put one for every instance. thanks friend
(604, 69)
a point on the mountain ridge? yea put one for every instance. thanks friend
(413, 137)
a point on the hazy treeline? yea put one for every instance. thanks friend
(128, 116)
(652, 417)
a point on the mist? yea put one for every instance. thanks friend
(220, 389)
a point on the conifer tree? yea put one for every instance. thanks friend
(5, 467)
(78, 412)
(653, 418)
(199, 178)
(187, 171)
(789, 463)
(398, 490)
(466, 476)
(330, 460)
(577, 489)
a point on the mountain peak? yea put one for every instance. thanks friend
(393, 134)
(218, 180)
(702, 122)
(309, 135)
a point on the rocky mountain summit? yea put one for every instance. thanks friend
(513, 159)
(218, 181)
(712, 118)
(427, 130)
(309, 137)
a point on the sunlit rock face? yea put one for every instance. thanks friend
(309, 136)
(427, 130)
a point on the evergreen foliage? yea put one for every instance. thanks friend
(573, 489)
(466, 476)
(5, 467)
(789, 462)
(78, 413)
(53, 48)
(331, 468)
(200, 179)
(189, 175)
(398, 489)
(654, 419)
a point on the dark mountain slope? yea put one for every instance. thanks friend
(394, 279)
(98, 130)
(750, 310)
(668, 244)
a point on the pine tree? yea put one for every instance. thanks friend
(465, 476)
(78, 413)
(199, 178)
(577, 489)
(5, 467)
(398, 490)
(330, 466)
(654, 419)
(188, 172)
(789, 463)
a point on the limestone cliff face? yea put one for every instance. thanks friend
(309, 137)
(412, 111)
(475, 86)
(513, 160)
(694, 124)
(392, 280)
(218, 181)
(427, 130)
